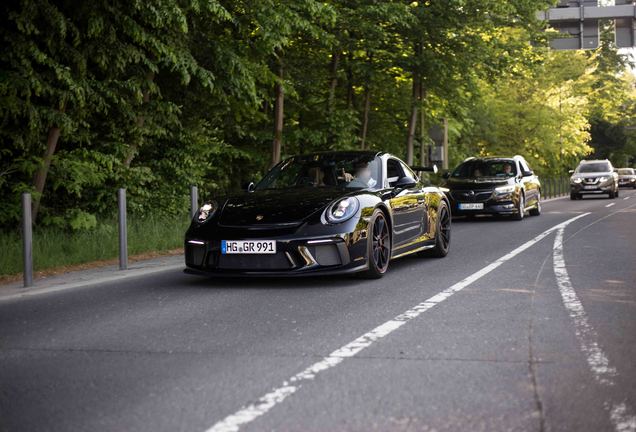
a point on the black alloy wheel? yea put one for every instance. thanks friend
(379, 246)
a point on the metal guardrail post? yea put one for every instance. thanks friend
(27, 239)
(123, 229)
(194, 201)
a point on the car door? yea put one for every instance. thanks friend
(408, 204)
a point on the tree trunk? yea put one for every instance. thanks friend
(134, 148)
(350, 93)
(40, 176)
(423, 137)
(365, 117)
(412, 120)
(278, 117)
(333, 81)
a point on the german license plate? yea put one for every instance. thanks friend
(248, 247)
(589, 187)
(471, 206)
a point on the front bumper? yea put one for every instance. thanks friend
(293, 257)
(599, 188)
(490, 206)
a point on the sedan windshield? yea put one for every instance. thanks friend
(593, 167)
(486, 168)
(347, 170)
(626, 171)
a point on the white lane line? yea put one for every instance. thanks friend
(245, 415)
(611, 204)
(598, 362)
(626, 198)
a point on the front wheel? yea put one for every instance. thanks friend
(612, 195)
(443, 232)
(536, 211)
(378, 246)
(521, 208)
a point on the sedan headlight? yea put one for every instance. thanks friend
(576, 180)
(342, 210)
(206, 211)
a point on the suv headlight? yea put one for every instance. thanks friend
(602, 179)
(206, 211)
(576, 180)
(342, 210)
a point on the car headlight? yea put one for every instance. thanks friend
(602, 179)
(342, 210)
(632, 180)
(576, 180)
(508, 189)
(206, 211)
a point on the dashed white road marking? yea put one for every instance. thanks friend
(245, 415)
(610, 204)
(598, 362)
(626, 198)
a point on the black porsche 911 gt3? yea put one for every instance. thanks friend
(323, 213)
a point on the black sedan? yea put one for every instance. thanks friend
(323, 213)
(494, 185)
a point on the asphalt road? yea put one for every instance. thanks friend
(540, 339)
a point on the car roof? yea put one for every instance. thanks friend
(593, 161)
(371, 153)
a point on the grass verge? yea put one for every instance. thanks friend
(54, 247)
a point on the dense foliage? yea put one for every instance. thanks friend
(155, 96)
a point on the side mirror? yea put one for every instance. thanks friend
(571, 171)
(250, 187)
(405, 183)
(432, 168)
(527, 173)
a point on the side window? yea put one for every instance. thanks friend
(394, 171)
(408, 171)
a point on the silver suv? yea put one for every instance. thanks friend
(593, 177)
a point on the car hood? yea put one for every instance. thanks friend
(278, 207)
(626, 176)
(479, 183)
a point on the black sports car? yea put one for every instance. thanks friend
(324, 213)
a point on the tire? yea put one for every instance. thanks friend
(612, 195)
(442, 233)
(536, 211)
(573, 196)
(521, 208)
(616, 194)
(378, 246)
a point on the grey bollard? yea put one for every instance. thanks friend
(194, 201)
(27, 239)
(123, 229)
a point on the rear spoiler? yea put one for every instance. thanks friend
(432, 169)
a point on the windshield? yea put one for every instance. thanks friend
(486, 168)
(626, 171)
(349, 170)
(593, 167)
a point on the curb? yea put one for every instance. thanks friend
(20, 293)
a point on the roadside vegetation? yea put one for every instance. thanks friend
(54, 247)
(157, 96)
